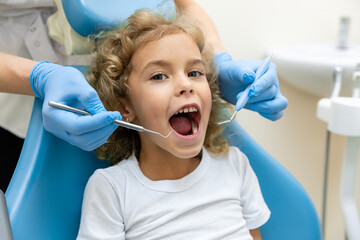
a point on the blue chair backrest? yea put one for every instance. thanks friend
(293, 215)
(45, 194)
(89, 17)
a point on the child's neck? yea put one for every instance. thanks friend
(165, 166)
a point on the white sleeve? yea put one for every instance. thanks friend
(255, 211)
(101, 216)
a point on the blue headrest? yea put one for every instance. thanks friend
(89, 17)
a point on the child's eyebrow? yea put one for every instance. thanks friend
(156, 63)
(163, 63)
(197, 61)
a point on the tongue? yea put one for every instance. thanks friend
(181, 124)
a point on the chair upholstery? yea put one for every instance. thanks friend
(88, 17)
(293, 215)
(45, 193)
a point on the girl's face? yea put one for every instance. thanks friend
(169, 91)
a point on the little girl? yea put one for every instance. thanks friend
(191, 185)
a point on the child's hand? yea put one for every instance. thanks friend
(67, 85)
(235, 76)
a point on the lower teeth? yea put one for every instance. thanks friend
(194, 127)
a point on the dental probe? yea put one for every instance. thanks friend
(244, 97)
(117, 122)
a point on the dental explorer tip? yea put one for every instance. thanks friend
(168, 134)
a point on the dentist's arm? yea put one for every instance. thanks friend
(52, 82)
(191, 8)
(236, 75)
(14, 74)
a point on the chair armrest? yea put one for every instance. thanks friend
(5, 227)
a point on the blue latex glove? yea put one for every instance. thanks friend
(264, 96)
(67, 85)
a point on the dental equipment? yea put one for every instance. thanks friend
(343, 116)
(337, 79)
(244, 97)
(229, 120)
(117, 122)
(356, 79)
(343, 37)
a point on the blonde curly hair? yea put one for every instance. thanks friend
(110, 69)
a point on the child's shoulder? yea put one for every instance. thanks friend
(234, 159)
(234, 154)
(115, 172)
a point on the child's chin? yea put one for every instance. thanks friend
(188, 153)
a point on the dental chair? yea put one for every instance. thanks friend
(45, 194)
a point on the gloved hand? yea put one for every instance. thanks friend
(264, 96)
(67, 85)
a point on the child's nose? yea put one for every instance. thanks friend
(185, 86)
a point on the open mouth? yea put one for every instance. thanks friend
(186, 121)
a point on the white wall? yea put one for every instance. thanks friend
(248, 29)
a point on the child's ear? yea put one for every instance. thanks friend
(126, 110)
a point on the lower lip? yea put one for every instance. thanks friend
(188, 137)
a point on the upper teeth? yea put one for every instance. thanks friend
(186, 110)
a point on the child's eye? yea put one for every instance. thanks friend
(159, 77)
(194, 74)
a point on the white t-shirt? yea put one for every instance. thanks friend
(220, 199)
